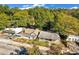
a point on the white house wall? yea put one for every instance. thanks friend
(73, 38)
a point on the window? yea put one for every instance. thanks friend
(69, 39)
(73, 39)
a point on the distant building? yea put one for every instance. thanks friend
(32, 34)
(25, 36)
(29, 33)
(72, 38)
(16, 30)
(48, 36)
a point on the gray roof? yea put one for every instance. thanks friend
(48, 35)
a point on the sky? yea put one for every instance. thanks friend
(27, 6)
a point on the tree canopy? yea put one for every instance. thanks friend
(63, 21)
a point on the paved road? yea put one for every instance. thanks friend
(7, 46)
(10, 42)
(6, 49)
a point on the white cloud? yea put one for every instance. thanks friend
(75, 7)
(38, 5)
(32, 6)
(25, 6)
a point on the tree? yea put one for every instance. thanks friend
(4, 20)
(62, 21)
(48, 26)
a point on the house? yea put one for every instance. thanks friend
(26, 33)
(29, 33)
(73, 38)
(25, 36)
(11, 32)
(48, 36)
(15, 30)
(32, 33)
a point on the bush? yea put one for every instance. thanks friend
(33, 41)
(55, 49)
(34, 51)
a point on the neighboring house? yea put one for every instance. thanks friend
(12, 31)
(16, 30)
(72, 38)
(30, 33)
(48, 36)
(22, 32)
(26, 36)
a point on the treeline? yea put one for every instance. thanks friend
(62, 21)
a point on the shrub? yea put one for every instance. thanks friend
(55, 49)
(33, 41)
(34, 51)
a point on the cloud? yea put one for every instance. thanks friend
(75, 7)
(32, 6)
(25, 6)
(39, 5)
